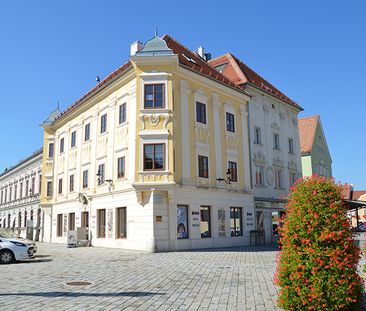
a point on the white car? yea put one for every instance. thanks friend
(14, 248)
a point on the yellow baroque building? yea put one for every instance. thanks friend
(155, 157)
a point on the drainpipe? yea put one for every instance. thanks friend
(250, 146)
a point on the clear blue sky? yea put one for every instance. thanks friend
(314, 51)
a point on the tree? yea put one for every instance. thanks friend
(317, 268)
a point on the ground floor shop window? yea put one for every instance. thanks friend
(59, 224)
(205, 222)
(236, 224)
(85, 219)
(222, 222)
(101, 223)
(71, 221)
(121, 225)
(182, 222)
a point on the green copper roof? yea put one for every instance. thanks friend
(155, 47)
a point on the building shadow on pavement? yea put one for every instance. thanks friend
(81, 294)
(253, 248)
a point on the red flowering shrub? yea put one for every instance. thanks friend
(317, 268)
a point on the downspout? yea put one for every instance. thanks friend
(250, 147)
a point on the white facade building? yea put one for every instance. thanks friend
(137, 161)
(274, 141)
(20, 187)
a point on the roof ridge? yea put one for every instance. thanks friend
(22, 161)
(95, 88)
(274, 90)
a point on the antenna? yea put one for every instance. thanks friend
(156, 31)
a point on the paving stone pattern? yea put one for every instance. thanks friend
(216, 279)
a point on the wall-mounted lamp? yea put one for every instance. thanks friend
(228, 177)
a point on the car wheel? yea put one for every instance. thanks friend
(6, 257)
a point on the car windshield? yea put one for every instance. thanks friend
(4, 233)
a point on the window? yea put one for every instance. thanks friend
(202, 166)
(85, 179)
(15, 191)
(201, 112)
(205, 224)
(50, 150)
(259, 175)
(154, 157)
(221, 222)
(101, 223)
(121, 167)
(25, 218)
(290, 145)
(154, 96)
(230, 124)
(19, 220)
(236, 225)
(260, 220)
(21, 190)
(276, 141)
(71, 221)
(182, 222)
(40, 184)
(278, 178)
(257, 136)
(101, 174)
(60, 186)
(122, 113)
(62, 142)
(121, 225)
(2, 193)
(71, 186)
(33, 185)
(73, 139)
(49, 188)
(10, 194)
(292, 178)
(103, 123)
(87, 132)
(234, 171)
(59, 224)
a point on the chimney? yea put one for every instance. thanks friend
(135, 47)
(201, 52)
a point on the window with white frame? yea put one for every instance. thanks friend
(154, 96)
(290, 145)
(122, 113)
(292, 176)
(73, 139)
(201, 113)
(259, 175)
(257, 136)
(278, 178)
(230, 122)
(276, 141)
(154, 158)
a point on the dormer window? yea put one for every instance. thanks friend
(154, 96)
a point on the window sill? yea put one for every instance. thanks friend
(158, 172)
(154, 110)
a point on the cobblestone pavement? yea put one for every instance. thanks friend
(217, 279)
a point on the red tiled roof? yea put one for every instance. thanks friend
(194, 62)
(99, 86)
(241, 75)
(357, 194)
(307, 129)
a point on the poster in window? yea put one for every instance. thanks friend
(182, 222)
(110, 223)
(221, 221)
